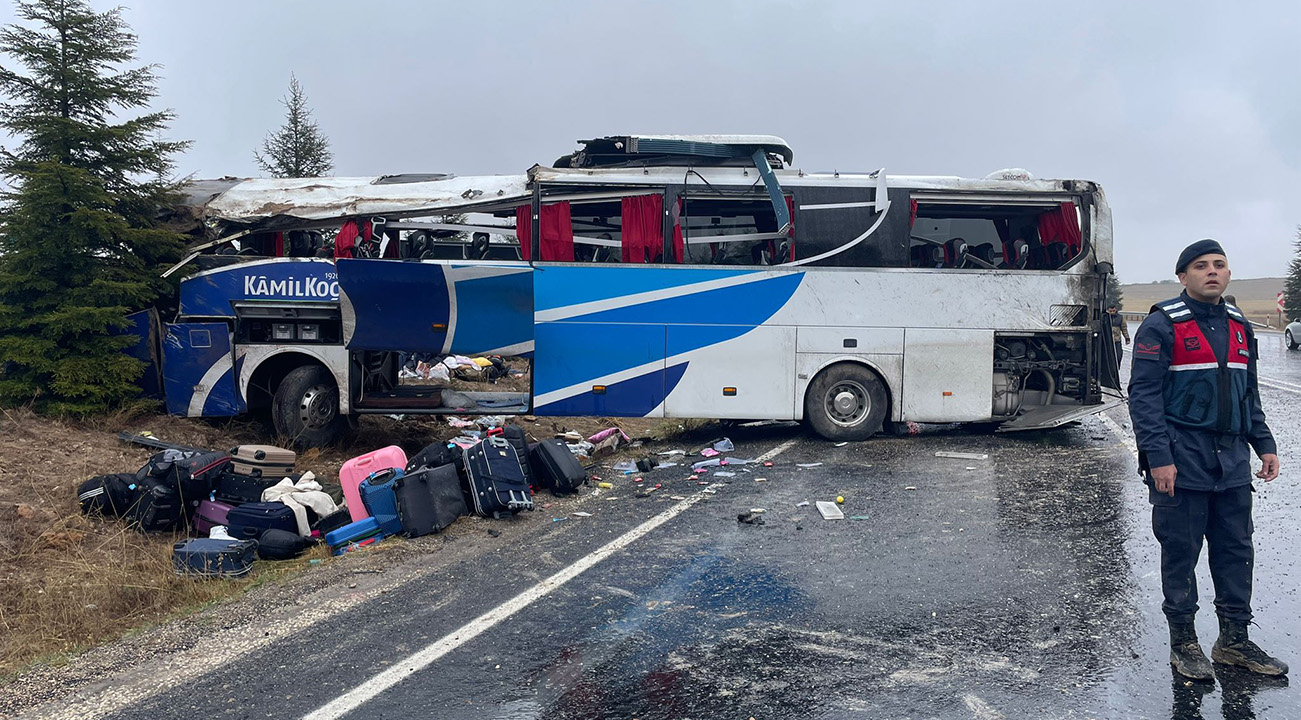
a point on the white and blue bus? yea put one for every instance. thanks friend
(657, 276)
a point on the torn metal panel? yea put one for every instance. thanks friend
(272, 203)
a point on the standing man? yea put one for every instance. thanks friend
(1119, 329)
(1196, 412)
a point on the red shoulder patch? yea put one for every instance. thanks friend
(1153, 350)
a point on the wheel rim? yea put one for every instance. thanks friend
(318, 407)
(847, 403)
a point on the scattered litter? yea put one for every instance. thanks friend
(673, 452)
(663, 465)
(769, 464)
(710, 452)
(770, 423)
(840, 499)
(910, 487)
(724, 473)
(676, 497)
(637, 479)
(582, 448)
(570, 436)
(750, 518)
(761, 479)
(581, 514)
(842, 444)
(647, 491)
(961, 455)
(757, 510)
(490, 421)
(557, 519)
(625, 466)
(710, 490)
(458, 423)
(608, 433)
(724, 445)
(547, 505)
(712, 462)
(859, 517)
(971, 467)
(702, 482)
(802, 503)
(830, 511)
(808, 465)
(605, 485)
(737, 461)
(694, 477)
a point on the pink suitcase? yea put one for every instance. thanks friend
(210, 514)
(358, 468)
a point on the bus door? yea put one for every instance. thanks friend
(199, 370)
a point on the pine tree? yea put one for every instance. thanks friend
(298, 148)
(79, 244)
(1115, 296)
(1292, 286)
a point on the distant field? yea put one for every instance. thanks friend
(1256, 296)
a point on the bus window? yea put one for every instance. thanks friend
(834, 217)
(1015, 237)
(733, 231)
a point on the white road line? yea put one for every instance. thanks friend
(418, 661)
(1279, 385)
(981, 709)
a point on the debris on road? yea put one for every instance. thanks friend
(830, 511)
(750, 518)
(581, 514)
(840, 499)
(961, 455)
(842, 444)
(802, 503)
(808, 465)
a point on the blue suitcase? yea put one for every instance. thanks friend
(354, 535)
(209, 557)
(249, 521)
(379, 496)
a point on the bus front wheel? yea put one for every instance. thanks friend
(846, 402)
(306, 408)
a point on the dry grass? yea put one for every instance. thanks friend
(68, 582)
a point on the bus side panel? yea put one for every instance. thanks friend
(211, 293)
(948, 375)
(756, 363)
(199, 371)
(395, 305)
(493, 310)
(627, 360)
(144, 327)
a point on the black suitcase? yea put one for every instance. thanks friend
(333, 521)
(209, 557)
(192, 475)
(156, 507)
(514, 434)
(239, 489)
(435, 455)
(249, 521)
(556, 468)
(107, 495)
(496, 479)
(429, 500)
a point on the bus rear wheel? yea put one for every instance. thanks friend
(846, 402)
(306, 408)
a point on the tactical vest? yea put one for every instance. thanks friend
(1201, 391)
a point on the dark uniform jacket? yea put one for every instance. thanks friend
(1204, 460)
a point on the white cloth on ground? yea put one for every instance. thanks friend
(306, 493)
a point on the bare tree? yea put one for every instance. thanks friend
(298, 148)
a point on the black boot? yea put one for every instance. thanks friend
(1233, 648)
(1186, 653)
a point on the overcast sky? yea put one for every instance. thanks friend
(1187, 113)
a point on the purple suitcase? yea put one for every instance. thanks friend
(210, 514)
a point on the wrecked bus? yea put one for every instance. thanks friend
(657, 276)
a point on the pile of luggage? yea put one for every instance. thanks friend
(249, 503)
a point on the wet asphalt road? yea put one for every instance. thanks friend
(1021, 586)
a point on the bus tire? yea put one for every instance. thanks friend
(306, 408)
(846, 402)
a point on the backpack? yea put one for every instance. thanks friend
(107, 495)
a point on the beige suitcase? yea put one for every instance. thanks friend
(262, 461)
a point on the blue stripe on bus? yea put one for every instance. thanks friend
(567, 354)
(635, 397)
(559, 287)
(492, 312)
(747, 304)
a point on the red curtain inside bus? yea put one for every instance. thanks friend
(556, 232)
(678, 245)
(643, 234)
(1062, 226)
(345, 244)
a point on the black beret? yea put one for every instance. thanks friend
(1196, 250)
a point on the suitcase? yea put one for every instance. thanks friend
(556, 468)
(281, 545)
(239, 489)
(262, 461)
(354, 535)
(358, 468)
(210, 514)
(156, 506)
(429, 500)
(207, 557)
(193, 476)
(435, 455)
(249, 521)
(514, 434)
(380, 500)
(107, 495)
(333, 521)
(496, 479)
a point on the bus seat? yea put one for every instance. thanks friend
(983, 252)
(1016, 253)
(955, 253)
(1058, 254)
(927, 255)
